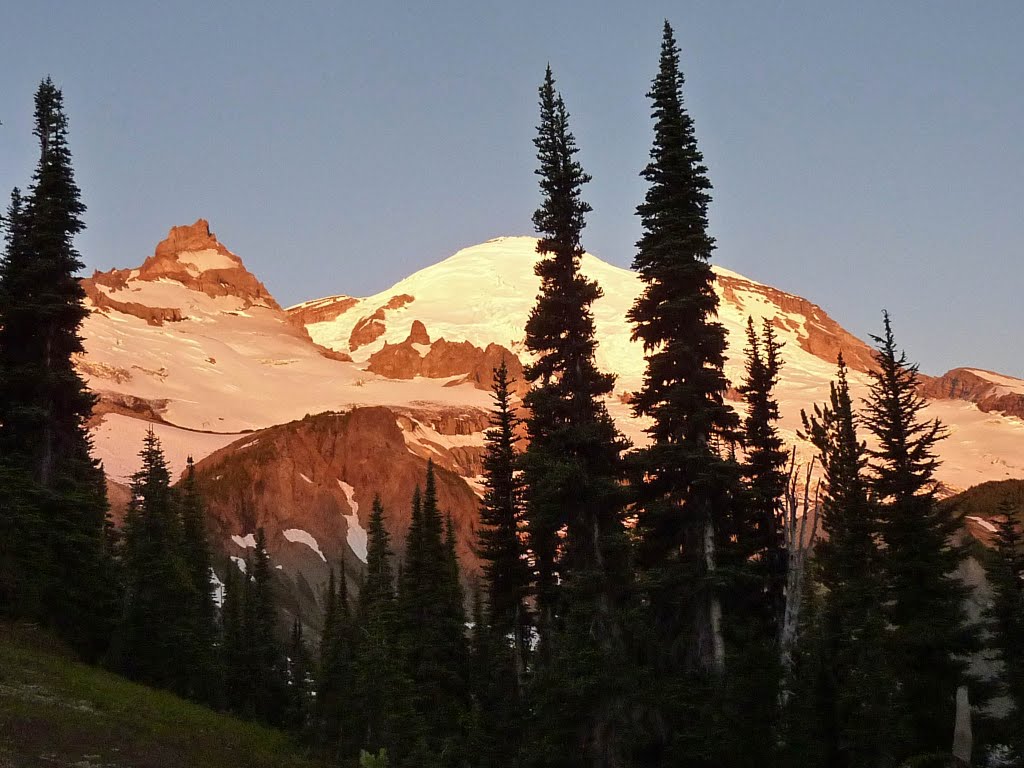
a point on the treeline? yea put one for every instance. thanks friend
(663, 605)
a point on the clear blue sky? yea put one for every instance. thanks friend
(864, 155)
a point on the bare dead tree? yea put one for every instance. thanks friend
(800, 504)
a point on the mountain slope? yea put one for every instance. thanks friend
(193, 346)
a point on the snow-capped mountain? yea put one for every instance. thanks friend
(193, 346)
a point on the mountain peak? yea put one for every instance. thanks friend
(191, 238)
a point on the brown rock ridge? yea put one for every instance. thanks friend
(167, 262)
(822, 336)
(289, 477)
(370, 328)
(965, 384)
(321, 311)
(444, 360)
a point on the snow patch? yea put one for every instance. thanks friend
(356, 535)
(244, 541)
(306, 478)
(983, 523)
(239, 562)
(299, 536)
(218, 588)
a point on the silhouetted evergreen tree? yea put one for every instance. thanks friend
(572, 471)
(1007, 578)
(204, 684)
(299, 681)
(505, 567)
(234, 643)
(155, 645)
(686, 482)
(44, 403)
(337, 670)
(854, 700)
(265, 655)
(758, 529)
(433, 628)
(925, 603)
(384, 694)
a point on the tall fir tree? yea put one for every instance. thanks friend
(572, 469)
(265, 654)
(758, 528)
(387, 717)
(689, 481)
(505, 568)
(854, 699)
(336, 681)
(930, 635)
(433, 627)
(1006, 575)
(204, 683)
(686, 482)
(44, 403)
(155, 643)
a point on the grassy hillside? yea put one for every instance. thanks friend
(57, 712)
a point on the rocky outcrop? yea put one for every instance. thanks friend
(818, 334)
(444, 360)
(370, 328)
(103, 302)
(320, 311)
(192, 256)
(971, 385)
(367, 330)
(298, 477)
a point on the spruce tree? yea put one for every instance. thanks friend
(854, 699)
(688, 482)
(202, 634)
(336, 680)
(266, 659)
(433, 627)
(505, 567)
(44, 403)
(155, 643)
(1007, 578)
(384, 694)
(930, 635)
(572, 469)
(758, 530)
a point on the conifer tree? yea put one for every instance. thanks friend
(155, 644)
(337, 669)
(297, 705)
(233, 643)
(689, 482)
(265, 656)
(202, 633)
(758, 531)
(384, 692)
(925, 606)
(505, 567)
(854, 700)
(1007, 578)
(44, 403)
(572, 469)
(433, 626)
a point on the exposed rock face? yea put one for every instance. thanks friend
(444, 360)
(821, 335)
(973, 385)
(102, 301)
(297, 476)
(367, 330)
(320, 311)
(418, 333)
(192, 256)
